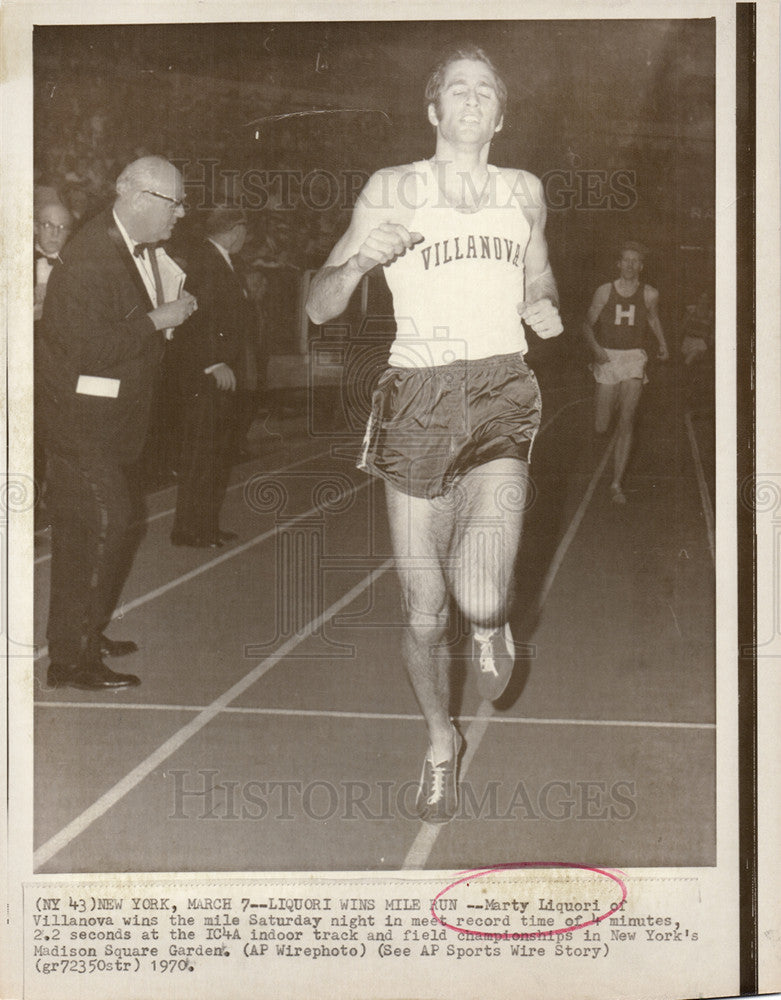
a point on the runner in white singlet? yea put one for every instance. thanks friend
(454, 415)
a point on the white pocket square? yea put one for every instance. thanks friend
(94, 385)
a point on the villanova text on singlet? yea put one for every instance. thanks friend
(623, 322)
(455, 294)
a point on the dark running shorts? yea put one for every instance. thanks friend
(429, 426)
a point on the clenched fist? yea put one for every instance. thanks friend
(542, 316)
(384, 244)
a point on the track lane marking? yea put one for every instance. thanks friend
(572, 529)
(172, 510)
(376, 716)
(705, 498)
(118, 791)
(234, 551)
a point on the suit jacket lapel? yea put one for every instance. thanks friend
(232, 269)
(127, 259)
(217, 256)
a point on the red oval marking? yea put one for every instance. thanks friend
(476, 873)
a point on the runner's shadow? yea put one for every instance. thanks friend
(563, 462)
(525, 655)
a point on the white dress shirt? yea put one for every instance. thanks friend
(171, 275)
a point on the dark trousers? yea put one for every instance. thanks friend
(91, 509)
(208, 439)
(247, 407)
(39, 452)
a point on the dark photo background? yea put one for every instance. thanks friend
(618, 117)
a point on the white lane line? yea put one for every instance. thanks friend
(234, 486)
(175, 742)
(628, 723)
(705, 499)
(379, 716)
(423, 844)
(243, 482)
(234, 551)
(569, 535)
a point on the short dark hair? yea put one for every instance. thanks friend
(223, 218)
(437, 79)
(634, 246)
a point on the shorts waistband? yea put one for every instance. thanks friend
(465, 364)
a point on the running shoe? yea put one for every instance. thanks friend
(437, 800)
(493, 659)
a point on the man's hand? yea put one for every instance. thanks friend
(542, 316)
(224, 377)
(600, 355)
(663, 354)
(384, 244)
(172, 314)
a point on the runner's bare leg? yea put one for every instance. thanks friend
(420, 532)
(629, 392)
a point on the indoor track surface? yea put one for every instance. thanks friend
(275, 730)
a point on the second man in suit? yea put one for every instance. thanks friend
(209, 363)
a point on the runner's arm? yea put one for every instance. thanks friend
(372, 238)
(597, 305)
(652, 305)
(540, 307)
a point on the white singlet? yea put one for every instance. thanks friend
(455, 294)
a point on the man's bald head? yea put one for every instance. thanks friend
(150, 192)
(147, 172)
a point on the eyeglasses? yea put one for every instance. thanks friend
(50, 227)
(176, 202)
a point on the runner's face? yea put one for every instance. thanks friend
(630, 265)
(467, 111)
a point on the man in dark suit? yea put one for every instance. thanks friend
(110, 304)
(52, 227)
(208, 358)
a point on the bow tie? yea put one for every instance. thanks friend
(140, 248)
(51, 260)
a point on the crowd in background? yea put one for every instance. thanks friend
(86, 134)
(85, 137)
